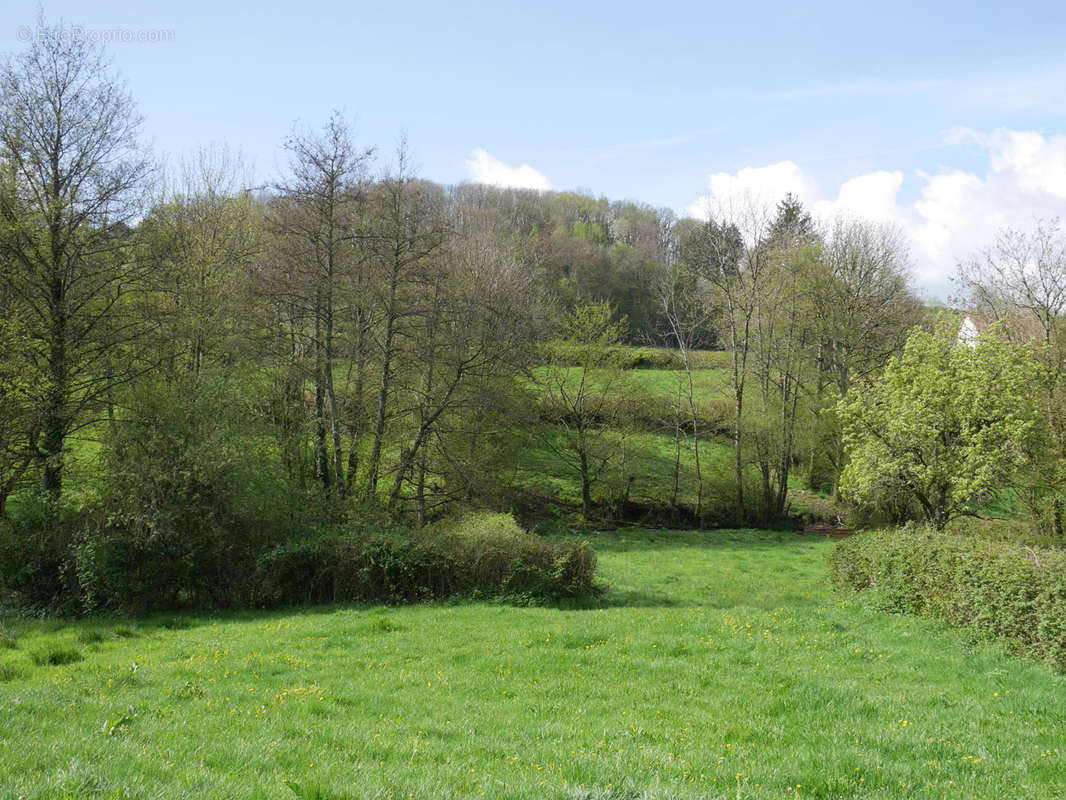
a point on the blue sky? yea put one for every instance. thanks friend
(947, 119)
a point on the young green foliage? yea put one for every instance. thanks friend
(582, 410)
(945, 427)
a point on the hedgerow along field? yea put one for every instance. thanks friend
(717, 665)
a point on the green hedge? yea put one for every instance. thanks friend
(92, 567)
(37, 564)
(997, 590)
(481, 554)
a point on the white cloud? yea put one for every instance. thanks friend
(959, 212)
(761, 186)
(943, 215)
(871, 196)
(1038, 163)
(484, 168)
(956, 213)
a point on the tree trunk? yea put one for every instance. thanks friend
(374, 465)
(407, 460)
(694, 414)
(586, 485)
(420, 490)
(331, 395)
(322, 465)
(355, 419)
(54, 424)
(677, 452)
(740, 364)
(738, 459)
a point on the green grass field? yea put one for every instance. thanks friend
(660, 384)
(717, 666)
(645, 456)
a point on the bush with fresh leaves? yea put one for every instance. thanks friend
(944, 428)
(996, 590)
(192, 490)
(499, 557)
(36, 559)
(478, 555)
(195, 511)
(617, 356)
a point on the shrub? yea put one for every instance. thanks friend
(624, 357)
(130, 570)
(995, 589)
(645, 358)
(500, 557)
(36, 561)
(192, 491)
(1017, 531)
(300, 572)
(148, 551)
(477, 555)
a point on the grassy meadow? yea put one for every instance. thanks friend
(648, 457)
(718, 665)
(709, 383)
(642, 441)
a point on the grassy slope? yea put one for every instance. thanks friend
(649, 458)
(649, 455)
(719, 667)
(662, 384)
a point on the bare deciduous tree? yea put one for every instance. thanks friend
(406, 233)
(865, 309)
(203, 238)
(732, 255)
(74, 181)
(1021, 277)
(317, 226)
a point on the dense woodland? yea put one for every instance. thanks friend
(211, 372)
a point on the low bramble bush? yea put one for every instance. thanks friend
(36, 559)
(617, 356)
(500, 557)
(997, 590)
(150, 562)
(480, 554)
